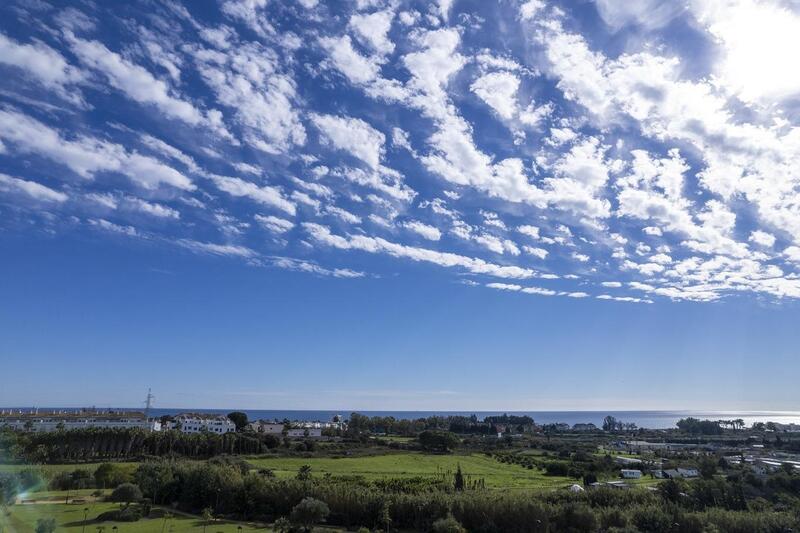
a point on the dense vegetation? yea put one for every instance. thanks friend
(285, 482)
(229, 487)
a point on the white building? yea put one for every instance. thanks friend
(630, 474)
(299, 433)
(296, 431)
(268, 428)
(56, 421)
(197, 423)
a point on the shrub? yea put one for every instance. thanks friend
(45, 525)
(126, 493)
(575, 518)
(128, 514)
(447, 525)
(309, 512)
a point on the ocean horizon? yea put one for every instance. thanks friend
(654, 419)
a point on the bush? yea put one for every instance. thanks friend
(45, 525)
(309, 512)
(126, 493)
(447, 525)
(575, 518)
(128, 514)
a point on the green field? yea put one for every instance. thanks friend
(22, 519)
(404, 465)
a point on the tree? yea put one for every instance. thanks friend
(239, 418)
(442, 441)
(309, 512)
(385, 516)
(45, 525)
(126, 493)
(282, 525)
(304, 473)
(708, 467)
(610, 423)
(109, 475)
(207, 516)
(458, 483)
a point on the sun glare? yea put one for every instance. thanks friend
(759, 40)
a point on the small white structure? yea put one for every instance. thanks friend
(627, 461)
(196, 423)
(576, 488)
(688, 472)
(630, 474)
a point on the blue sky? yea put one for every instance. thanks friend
(375, 204)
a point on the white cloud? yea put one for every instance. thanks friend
(792, 253)
(357, 68)
(352, 135)
(365, 243)
(652, 230)
(429, 232)
(529, 9)
(373, 29)
(541, 253)
(249, 80)
(106, 225)
(499, 91)
(343, 214)
(44, 64)
(150, 208)
(512, 287)
(530, 231)
(275, 224)
(762, 238)
(265, 194)
(86, 155)
(231, 250)
(134, 80)
(32, 189)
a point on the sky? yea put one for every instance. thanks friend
(379, 204)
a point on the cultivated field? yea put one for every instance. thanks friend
(403, 465)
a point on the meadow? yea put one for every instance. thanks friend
(496, 475)
(22, 519)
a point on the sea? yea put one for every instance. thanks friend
(643, 419)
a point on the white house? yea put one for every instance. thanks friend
(67, 420)
(196, 423)
(630, 474)
(688, 472)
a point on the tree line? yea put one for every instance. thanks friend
(93, 444)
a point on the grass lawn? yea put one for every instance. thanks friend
(399, 465)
